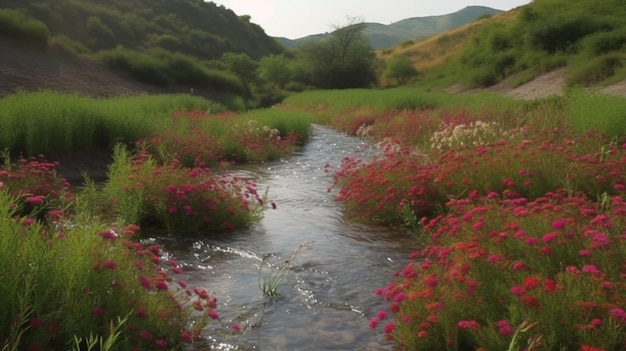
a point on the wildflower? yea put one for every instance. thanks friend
(142, 313)
(517, 290)
(422, 334)
(504, 328)
(518, 266)
(213, 314)
(162, 344)
(27, 222)
(399, 297)
(590, 348)
(186, 336)
(35, 200)
(145, 282)
(273, 205)
(549, 237)
(590, 268)
(471, 325)
(618, 314)
(110, 264)
(236, 327)
(373, 323)
(531, 282)
(98, 311)
(389, 327)
(530, 301)
(558, 224)
(144, 334)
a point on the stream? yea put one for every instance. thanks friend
(327, 296)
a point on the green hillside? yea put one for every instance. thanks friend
(191, 27)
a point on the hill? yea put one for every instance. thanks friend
(386, 35)
(584, 43)
(192, 27)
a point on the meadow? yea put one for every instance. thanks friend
(77, 275)
(519, 207)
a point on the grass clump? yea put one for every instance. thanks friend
(71, 283)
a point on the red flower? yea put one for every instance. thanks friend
(530, 301)
(531, 282)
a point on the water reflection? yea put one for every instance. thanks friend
(327, 296)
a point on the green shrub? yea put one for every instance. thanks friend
(595, 70)
(66, 45)
(15, 25)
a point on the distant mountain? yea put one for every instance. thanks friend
(384, 36)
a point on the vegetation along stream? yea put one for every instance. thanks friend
(326, 297)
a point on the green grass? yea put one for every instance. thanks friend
(40, 122)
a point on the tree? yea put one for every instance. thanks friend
(241, 65)
(275, 69)
(342, 60)
(401, 69)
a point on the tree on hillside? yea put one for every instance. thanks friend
(401, 69)
(275, 69)
(343, 60)
(241, 65)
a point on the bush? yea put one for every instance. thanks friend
(595, 70)
(16, 26)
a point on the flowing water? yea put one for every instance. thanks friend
(326, 298)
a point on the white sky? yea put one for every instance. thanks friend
(295, 19)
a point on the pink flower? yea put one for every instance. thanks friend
(549, 237)
(142, 313)
(236, 327)
(144, 334)
(162, 344)
(518, 266)
(110, 264)
(472, 325)
(373, 323)
(381, 314)
(590, 268)
(145, 282)
(558, 224)
(584, 253)
(618, 313)
(389, 327)
(517, 290)
(531, 240)
(98, 311)
(186, 336)
(399, 297)
(214, 315)
(161, 285)
(35, 200)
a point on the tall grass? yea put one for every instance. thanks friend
(605, 113)
(40, 122)
(161, 67)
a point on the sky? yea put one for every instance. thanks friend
(295, 19)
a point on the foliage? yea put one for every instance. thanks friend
(84, 123)
(542, 271)
(70, 283)
(19, 27)
(184, 200)
(401, 69)
(275, 69)
(192, 27)
(545, 30)
(342, 60)
(161, 67)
